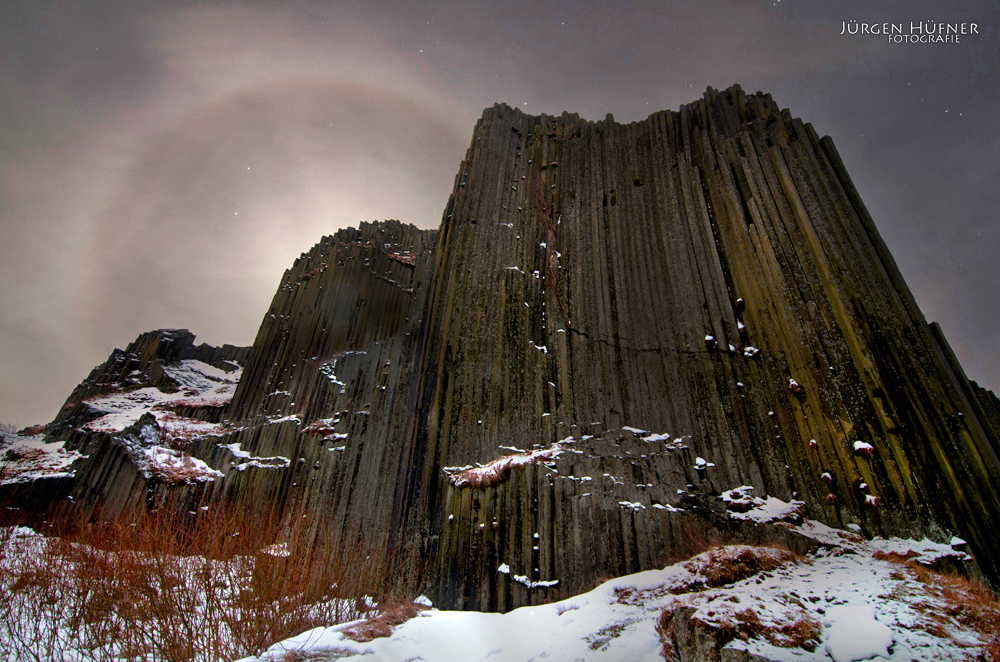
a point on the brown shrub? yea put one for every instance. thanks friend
(895, 557)
(158, 587)
(381, 625)
(804, 632)
(969, 602)
(722, 568)
(992, 651)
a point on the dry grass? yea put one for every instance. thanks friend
(719, 567)
(895, 557)
(382, 623)
(145, 585)
(968, 602)
(804, 632)
(728, 565)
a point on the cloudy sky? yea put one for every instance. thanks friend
(162, 163)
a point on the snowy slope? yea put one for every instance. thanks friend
(201, 385)
(159, 452)
(849, 602)
(23, 459)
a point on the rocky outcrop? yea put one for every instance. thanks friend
(614, 328)
(711, 274)
(152, 374)
(141, 365)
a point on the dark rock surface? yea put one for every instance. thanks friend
(628, 320)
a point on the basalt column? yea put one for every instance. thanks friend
(628, 320)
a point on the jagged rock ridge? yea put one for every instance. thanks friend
(622, 323)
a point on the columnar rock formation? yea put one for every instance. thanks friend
(621, 324)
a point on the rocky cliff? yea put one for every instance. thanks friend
(621, 341)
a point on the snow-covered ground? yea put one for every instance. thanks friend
(841, 604)
(23, 459)
(845, 602)
(201, 385)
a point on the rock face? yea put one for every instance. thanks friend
(141, 364)
(614, 327)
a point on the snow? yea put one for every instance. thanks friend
(327, 370)
(498, 468)
(858, 606)
(701, 464)
(285, 419)
(274, 462)
(649, 437)
(201, 385)
(861, 608)
(522, 579)
(853, 633)
(279, 550)
(23, 459)
(923, 551)
(169, 462)
(756, 509)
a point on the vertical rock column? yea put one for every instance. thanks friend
(709, 274)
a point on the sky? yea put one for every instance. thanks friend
(162, 163)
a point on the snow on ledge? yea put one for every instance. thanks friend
(504, 569)
(24, 459)
(173, 466)
(274, 462)
(741, 504)
(496, 471)
(200, 385)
